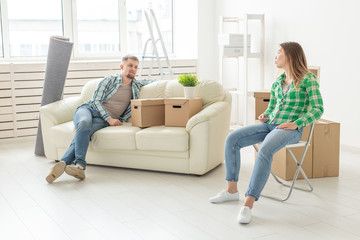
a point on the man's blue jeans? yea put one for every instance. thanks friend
(86, 121)
(272, 138)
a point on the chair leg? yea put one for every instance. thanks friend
(292, 185)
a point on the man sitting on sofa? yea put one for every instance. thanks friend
(110, 106)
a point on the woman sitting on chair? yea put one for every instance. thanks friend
(281, 124)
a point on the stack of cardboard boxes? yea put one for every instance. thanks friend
(322, 157)
(233, 44)
(169, 112)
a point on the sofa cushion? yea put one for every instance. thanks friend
(161, 138)
(173, 89)
(62, 134)
(109, 138)
(88, 91)
(210, 92)
(153, 90)
(114, 138)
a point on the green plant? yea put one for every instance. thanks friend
(188, 80)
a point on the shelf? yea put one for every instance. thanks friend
(241, 76)
(255, 16)
(250, 55)
(240, 93)
(248, 16)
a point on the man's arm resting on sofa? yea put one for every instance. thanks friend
(61, 111)
(206, 114)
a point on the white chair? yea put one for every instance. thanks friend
(288, 147)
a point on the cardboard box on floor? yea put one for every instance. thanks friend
(262, 99)
(179, 110)
(326, 149)
(322, 157)
(147, 112)
(284, 166)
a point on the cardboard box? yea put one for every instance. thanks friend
(179, 110)
(322, 157)
(262, 99)
(284, 166)
(229, 51)
(233, 40)
(147, 112)
(326, 149)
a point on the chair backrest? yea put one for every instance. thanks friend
(310, 133)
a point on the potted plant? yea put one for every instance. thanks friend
(189, 81)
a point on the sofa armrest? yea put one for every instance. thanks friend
(61, 111)
(208, 130)
(54, 114)
(206, 114)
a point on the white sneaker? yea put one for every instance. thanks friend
(224, 196)
(244, 215)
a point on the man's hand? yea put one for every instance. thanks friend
(114, 122)
(288, 126)
(263, 118)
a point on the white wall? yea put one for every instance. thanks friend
(327, 30)
(207, 48)
(185, 29)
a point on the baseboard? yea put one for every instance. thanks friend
(349, 148)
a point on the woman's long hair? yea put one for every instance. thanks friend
(297, 61)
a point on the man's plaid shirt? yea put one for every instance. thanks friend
(107, 88)
(293, 107)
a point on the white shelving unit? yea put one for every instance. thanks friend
(242, 25)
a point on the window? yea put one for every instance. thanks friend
(138, 32)
(1, 38)
(107, 28)
(31, 23)
(97, 26)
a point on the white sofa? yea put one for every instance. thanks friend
(194, 149)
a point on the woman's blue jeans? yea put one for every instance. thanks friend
(272, 138)
(87, 122)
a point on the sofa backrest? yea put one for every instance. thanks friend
(88, 90)
(210, 91)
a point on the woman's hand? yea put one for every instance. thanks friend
(288, 126)
(263, 118)
(114, 122)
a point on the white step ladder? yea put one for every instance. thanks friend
(155, 53)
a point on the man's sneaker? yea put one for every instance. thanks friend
(75, 171)
(56, 172)
(224, 196)
(244, 215)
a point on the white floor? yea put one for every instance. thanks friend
(116, 203)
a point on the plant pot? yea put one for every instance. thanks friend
(189, 92)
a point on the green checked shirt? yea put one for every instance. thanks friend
(107, 88)
(293, 107)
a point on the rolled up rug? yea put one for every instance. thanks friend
(57, 64)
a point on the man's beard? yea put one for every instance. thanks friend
(130, 76)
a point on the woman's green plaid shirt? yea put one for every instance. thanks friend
(302, 105)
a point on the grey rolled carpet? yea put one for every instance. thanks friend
(57, 64)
